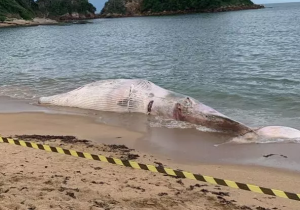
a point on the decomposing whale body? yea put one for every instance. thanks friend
(279, 132)
(135, 95)
(142, 96)
(269, 134)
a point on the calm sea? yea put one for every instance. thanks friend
(245, 64)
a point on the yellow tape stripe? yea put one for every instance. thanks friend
(210, 179)
(73, 153)
(152, 168)
(231, 184)
(118, 162)
(254, 188)
(279, 193)
(169, 171)
(189, 175)
(88, 156)
(11, 141)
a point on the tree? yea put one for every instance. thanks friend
(2, 18)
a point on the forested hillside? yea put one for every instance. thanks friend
(161, 7)
(27, 9)
(173, 5)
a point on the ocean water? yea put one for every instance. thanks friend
(245, 64)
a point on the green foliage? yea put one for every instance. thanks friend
(114, 6)
(61, 7)
(2, 18)
(27, 9)
(85, 6)
(20, 8)
(175, 5)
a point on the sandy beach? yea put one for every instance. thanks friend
(34, 179)
(20, 22)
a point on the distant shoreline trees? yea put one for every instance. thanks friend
(140, 7)
(28, 9)
(175, 5)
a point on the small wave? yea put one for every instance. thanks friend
(19, 92)
(159, 122)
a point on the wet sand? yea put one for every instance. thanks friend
(32, 179)
(182, 145)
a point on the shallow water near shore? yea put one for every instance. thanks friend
(186, 146)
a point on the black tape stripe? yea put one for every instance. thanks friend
(95, 157)
(53, 149)
(292, 196)
(243, 186)
(41, 147)
(199, 177)
(161, 170)
(111, 160)
(17, 142)
(5, 140)
(80, 154)
(179, 174)
(126, 163)
(28, 144)
(267, 191)
(67, 152)
(220, 182)
(144, 167)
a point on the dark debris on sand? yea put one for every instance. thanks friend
(123, 152)
(43, 138)
(120, 150)
(270, 155)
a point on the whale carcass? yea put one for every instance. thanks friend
(142, 96)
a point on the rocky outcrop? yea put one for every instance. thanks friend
(66, 9)
(131, 8)
(77, 16)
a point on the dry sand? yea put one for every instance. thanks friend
(20, 22)
(34, 179)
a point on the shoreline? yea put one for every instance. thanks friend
(46, 21)
(41, 21)
(185, 12)
(27, 23)
(185, 146)
(48, 178)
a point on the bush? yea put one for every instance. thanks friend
(2, 18)
(17, 8)
(25, 15)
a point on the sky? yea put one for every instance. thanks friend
(100, 3)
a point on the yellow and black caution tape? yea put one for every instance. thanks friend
(159, 169)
